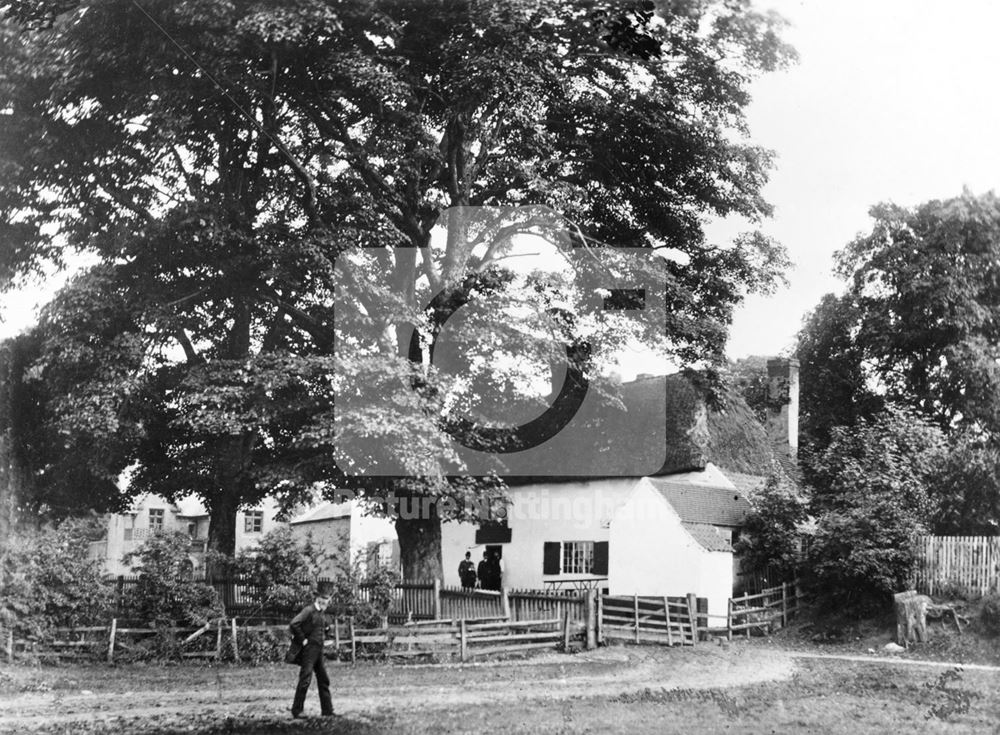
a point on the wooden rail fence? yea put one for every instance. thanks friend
(669, 620)
(966, 565)
(762, 611)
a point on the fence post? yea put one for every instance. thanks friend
(437, 599)
(505, 601)
(566, 631)
(729, 620)
(600, 615)
(336, 635)
(218, 639)
(111, 640)
(635, 612)
(462, 641)
(236, 647)
(666, 616)
(784, 604)
(354, 643)
(693, 616)
(9, 646)
(591, 613)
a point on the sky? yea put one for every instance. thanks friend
(892, 100)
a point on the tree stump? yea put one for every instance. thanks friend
(911, 617)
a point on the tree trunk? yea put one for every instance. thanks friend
(222, 510)
(420, 546)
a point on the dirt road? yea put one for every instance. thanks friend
(186, 698)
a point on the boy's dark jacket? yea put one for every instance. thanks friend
(308, 625)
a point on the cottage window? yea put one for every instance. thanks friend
(577, 557)
(156, 520)
(253, 521)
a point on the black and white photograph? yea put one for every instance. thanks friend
(470, 366)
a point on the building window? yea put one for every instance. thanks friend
(253, 521)
(193, 529)
(385, 554)
(156, 520)
(577, 557)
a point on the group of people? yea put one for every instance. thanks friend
(487, 576)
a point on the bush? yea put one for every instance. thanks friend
(48, 581)
(770, 537)
(871, 499)
(281, 571)
(989, 615)
(166, 594)
(368, 606)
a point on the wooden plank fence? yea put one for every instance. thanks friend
(763, 611)
(669, 620)
(964, 565)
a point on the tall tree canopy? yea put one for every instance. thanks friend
(925, 286)
(231, 164)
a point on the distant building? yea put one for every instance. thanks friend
(152, 514)
(341, 529)
(361, 540)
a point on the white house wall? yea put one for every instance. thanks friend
(652, 554)
(558, 511)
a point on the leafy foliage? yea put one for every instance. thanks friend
(219, 188)
(834, 385)
(871, 499)
(165, 593)
(924, 284)
(281, 570)
(49, 581)
(966, 489)
(772, 534)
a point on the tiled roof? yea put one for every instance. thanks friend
(325, 512)
(718, 506)
(708, 537)
(748, 485)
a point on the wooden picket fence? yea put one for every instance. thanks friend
(964, 565)
(669, 620)
(762, 611)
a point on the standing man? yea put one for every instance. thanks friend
(309, 628)
(467, 572)
(484, 572)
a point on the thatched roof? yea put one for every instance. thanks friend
(662, 426)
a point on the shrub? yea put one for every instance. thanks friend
(48, 581)
(989, 615)
(281, 571)
(871, 499)
(166, 594)
(770, 537)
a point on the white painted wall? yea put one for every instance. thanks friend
(557, 511)
(650, 552)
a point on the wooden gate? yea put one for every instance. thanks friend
(670, 621)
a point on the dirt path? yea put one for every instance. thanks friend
(370, 689)
(895, 661)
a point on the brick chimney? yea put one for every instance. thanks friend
(783, 405)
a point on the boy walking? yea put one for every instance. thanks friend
(309, 628)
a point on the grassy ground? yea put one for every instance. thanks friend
(746, 688)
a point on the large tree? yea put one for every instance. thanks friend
(925, 295)
(231, 165)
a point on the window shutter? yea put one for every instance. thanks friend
(550, 558)
(601, 557)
